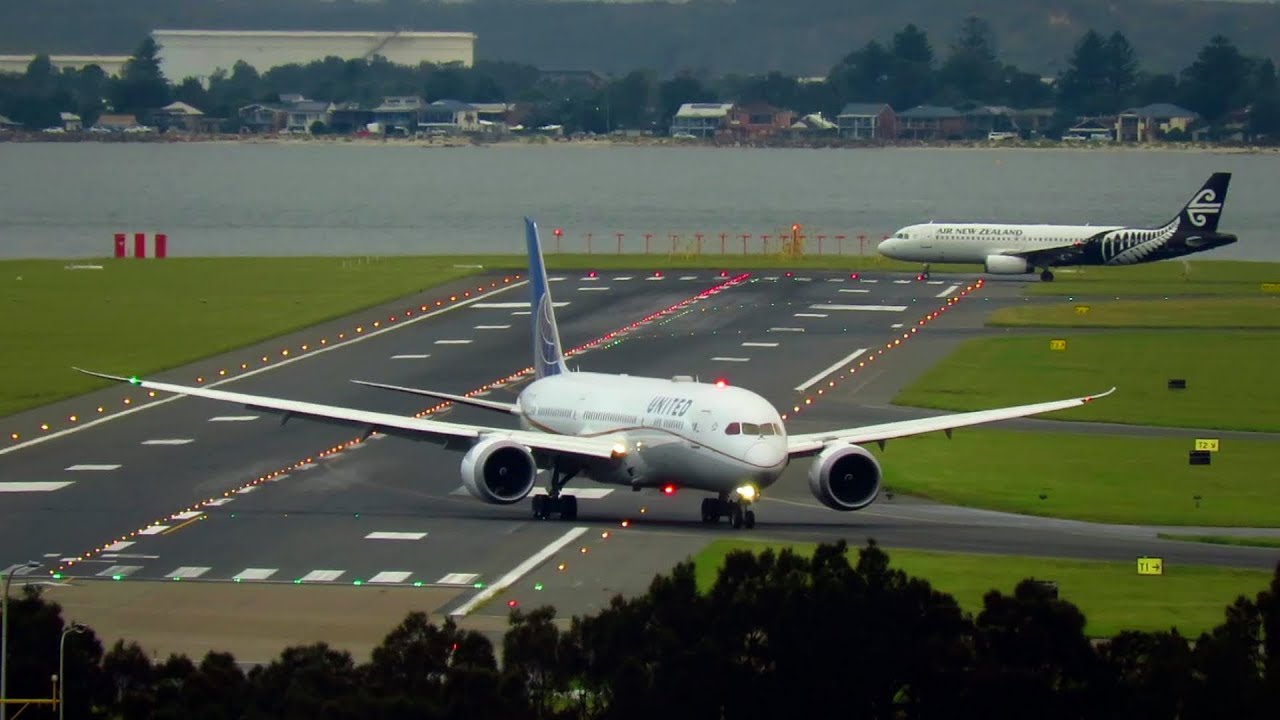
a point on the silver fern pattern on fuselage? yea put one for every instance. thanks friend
(1128, 246)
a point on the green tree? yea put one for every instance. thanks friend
(306, 682)
(1121, 71)
(1217, 82)
(1084, 86)
(863, 75)
(972, 72)
(535, 652)
(911, 74)
(1151, 673)
(1228, 663)
(141, 86)
(132, 680)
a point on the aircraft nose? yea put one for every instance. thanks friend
(765, 454)
(886, 247)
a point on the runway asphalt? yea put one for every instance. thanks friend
(390, 512)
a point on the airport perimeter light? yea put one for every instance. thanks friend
(76, 628)
(4, 634)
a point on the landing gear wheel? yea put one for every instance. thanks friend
(735, 517)
(710, 511)
(568, 507)
(540, 507)
(1046, 276)
(748, 519)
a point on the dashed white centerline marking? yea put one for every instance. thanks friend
(457, 579)
(854, 290)
(656, 277)
(395, 536)
(390, 576)
(322, 576)
(255, 573)
(688, 277)
(835, 279)
(420, 356)
(834, 366)
(187, 571)
(870, 281)
(948, 291)
(867, 308)
(169, 441)
(493, 327)
(759, 344)
(594, 287)
(522, 312)
(92, 468)
(519, 571)
(731, 359)
(233, 418)
(895, 326)
(811, 315)
(785, 329)
(7, 487)
(625, 277)
(934, 282)
(511, 305)
(453, 342)
(804, 279)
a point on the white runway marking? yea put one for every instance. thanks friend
(118, 545)
(493, 327)
(588, 277)
(233, 418)
(247, 490)
(625, 277)
(7, 487)
(522, 312)
(187, 571)
(511, 305)
(834, 366)
(153, 530)
(307, 466)
(457, 579)
(169, 441)
(596, 288)
(187, 515)
(948, 291)
(255, 573)
(854, 290)
(688, 277)
(390, 576)
(322, 576)
(453, 342)
(421, 356)
(395, 536)
(273, 366)
(901, 282)
(580, 493)
(759, 344)
(804, 279)
(93, 468)
(935, 282)
(656, 277)
(895, 326)
(219, 502)
(835, 279)
(811, 314)
(121, 570)
(785, 329)
(867, 308)
(871, 281)
(519, 571)
(731, 359)
(555, 279)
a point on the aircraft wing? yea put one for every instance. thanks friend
(597, 447)
(810, 443)
(509, 408)
(1064, 254)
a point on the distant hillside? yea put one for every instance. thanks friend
(803, 37)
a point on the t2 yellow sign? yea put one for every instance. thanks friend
(1057, 344)
(1207, 444)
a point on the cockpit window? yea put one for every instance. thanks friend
(750, 429)
(732, 429)
(767, 429)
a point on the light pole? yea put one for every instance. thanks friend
(77, 628)
(4, 634)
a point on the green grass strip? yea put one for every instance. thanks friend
(1238, 540)
(1112, 596)
(1230, 377)
(1220, 312)
(1160, 279)
(1102, 478)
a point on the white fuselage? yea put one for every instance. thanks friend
(697, 435)
(974, 242)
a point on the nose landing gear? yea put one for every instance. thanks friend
(1046, 275)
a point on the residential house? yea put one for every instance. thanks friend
(982, 121)
(450, 116)
(814, 123)
(493, 117)
(399, 114)
(1088, 129)
(867, 121)
(181, 116)
(758, 120)
(302, 115)
(261, 118)
(1033, 122)
(1152, 122)
(701, 120)
(70, 122)
(349, 118)
(931, 122)
(108, 122)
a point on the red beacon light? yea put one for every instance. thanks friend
(668, 489)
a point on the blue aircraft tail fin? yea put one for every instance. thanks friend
(548, 358)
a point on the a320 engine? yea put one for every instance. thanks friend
(1006, 265)
(499, 471)
(845, 477)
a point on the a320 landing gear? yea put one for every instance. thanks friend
(553, 503)
(737, 511)
(924, 273)
(1046, 275)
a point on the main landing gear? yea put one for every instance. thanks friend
(1046, 275)
(737, 510)
(553, 503)
(924, 273)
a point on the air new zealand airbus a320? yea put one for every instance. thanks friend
(1013, 249)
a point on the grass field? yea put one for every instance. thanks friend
(1230, 377)
(1238, 540)
(1112, 596)
(1207, 277)
(1089, 477)
(1217, 312)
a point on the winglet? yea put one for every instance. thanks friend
(131, 380)
(548, 358)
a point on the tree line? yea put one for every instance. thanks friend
(778, 634)
(1102, 76)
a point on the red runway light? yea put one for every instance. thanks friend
(512, 603)
(668, 489)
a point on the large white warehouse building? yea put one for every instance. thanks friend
(198, 53)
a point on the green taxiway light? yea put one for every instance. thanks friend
(235, 579)
(298, 581)
(57, 576)
(357, 582)
(176, 579)
(134, 380)
(418, 584)
(117, 577)
(478, 585)
(537, 586)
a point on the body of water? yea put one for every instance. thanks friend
(64, 200)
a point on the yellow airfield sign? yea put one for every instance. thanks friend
(1082, 309)
(1150, 566)
(1208, 444)
(1057, 344)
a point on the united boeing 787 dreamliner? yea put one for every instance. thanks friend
(636, 432)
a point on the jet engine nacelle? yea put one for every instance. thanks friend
(845, 477)
(499, 471)
(1006, 265)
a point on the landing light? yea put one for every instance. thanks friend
(619, 449)
(747, 492)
